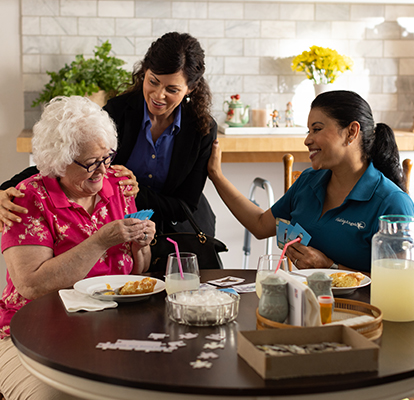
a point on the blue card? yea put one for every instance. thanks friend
(285, 232)
(298, 231)
(282, 233)
(142, 215)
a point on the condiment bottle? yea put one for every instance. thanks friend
(320, 284)
(325, 303)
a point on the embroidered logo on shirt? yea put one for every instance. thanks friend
(360, 225)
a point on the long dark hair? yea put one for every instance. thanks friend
(174, 52)
(378, 141)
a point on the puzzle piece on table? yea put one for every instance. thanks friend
(216, 336)
(169, 349)
(178, 343)
(213, 345)
(206, 355)
(158, 336)
(201, 364)
(188, 335)
(107, 346)
(137, 345)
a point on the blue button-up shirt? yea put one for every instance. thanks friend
(150, 161)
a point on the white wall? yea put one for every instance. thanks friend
(247, 52)
(11, 96)
(249, 45)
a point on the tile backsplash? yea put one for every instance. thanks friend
(249, 46)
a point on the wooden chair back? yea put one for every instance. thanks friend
(407, 164)
(290, 175)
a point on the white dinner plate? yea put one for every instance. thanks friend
(91, 285)
(335, 290)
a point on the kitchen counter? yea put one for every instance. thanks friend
(255, 148)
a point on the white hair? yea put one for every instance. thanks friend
(67, 124)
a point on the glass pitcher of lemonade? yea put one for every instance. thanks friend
(392, 268)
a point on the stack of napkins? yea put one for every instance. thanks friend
(304, 308)
(76, 301)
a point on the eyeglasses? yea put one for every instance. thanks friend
(93, 167)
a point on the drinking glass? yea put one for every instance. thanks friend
(190, 280)
(266, 266)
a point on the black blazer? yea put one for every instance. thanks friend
(188, 169)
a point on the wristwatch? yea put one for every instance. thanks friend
(334, 266)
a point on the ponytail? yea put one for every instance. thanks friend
(385, 155)
(378, 142)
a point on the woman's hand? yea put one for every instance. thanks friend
(8, 208)
(305, 257)
(126, 230)
(214, 163)
(132, 180)
(142, 251)
(149, 233)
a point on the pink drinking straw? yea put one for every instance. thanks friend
(178, 256)
(298, 239)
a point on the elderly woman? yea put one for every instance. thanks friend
(165, 134)
(75, 226)
(355, 178)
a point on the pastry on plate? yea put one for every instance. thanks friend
(147, 285)
(343, 279)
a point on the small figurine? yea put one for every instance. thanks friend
(289, 114)
(275, 118)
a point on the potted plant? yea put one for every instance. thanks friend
(88, 76)
(322, 65)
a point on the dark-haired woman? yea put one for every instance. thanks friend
(165, 134)
(355, 178)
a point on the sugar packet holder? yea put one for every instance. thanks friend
(142, 215)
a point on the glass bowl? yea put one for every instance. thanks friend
(202, 307)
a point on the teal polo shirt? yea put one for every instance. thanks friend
(344, 233)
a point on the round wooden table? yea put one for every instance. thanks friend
(60, 348)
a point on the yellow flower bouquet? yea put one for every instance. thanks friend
(322, 65)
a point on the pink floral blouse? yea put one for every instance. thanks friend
(55, 221)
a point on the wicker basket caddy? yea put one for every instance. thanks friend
(344, 309)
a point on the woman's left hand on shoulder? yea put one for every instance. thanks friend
(306, 257)
(131, 179)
